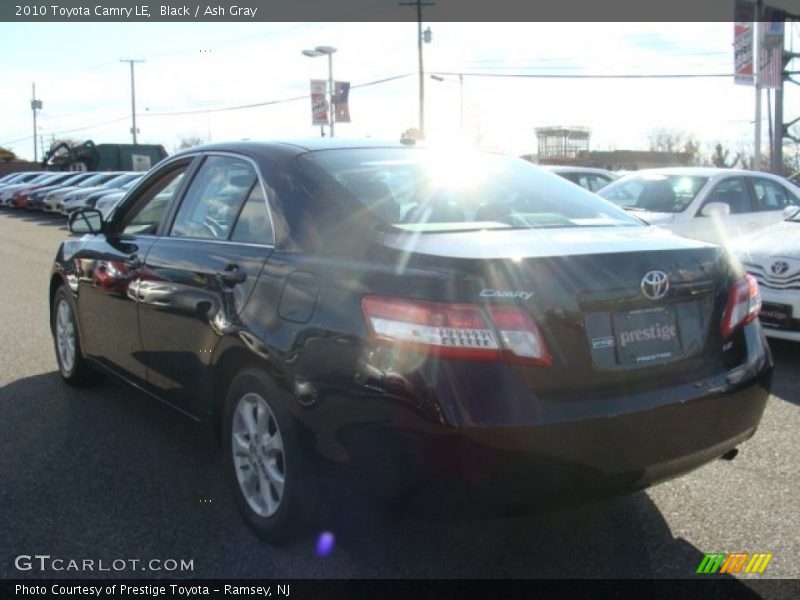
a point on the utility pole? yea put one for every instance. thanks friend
(331, 107)
(133, 96)
(781, 128)
(35, 105)
(756, 68)
(419, 4)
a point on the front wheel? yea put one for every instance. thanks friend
(267, 469)
(72, 365)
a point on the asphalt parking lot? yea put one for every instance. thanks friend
(109, 474)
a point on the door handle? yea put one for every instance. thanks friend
(133, 262)
(232, 275)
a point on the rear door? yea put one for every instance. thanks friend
(198, 276)
(770, 198)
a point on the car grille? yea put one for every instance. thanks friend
(790, 281)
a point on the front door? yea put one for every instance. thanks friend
(110, 267)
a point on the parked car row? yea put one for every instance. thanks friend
(65, 191)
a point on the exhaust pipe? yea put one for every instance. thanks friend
(730, 454)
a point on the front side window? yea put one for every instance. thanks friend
(429, 191)
(733, 193)
(146, 214)
(213, 200)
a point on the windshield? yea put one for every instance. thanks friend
(74, 179)
(431, 191)
(130, 183)
(654, 192)
(98, 179)
(120, 180)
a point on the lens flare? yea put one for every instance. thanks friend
(325, 544)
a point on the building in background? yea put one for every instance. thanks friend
(570, 146)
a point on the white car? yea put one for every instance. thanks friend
(714, 205)
(589, 178)
(772, 256)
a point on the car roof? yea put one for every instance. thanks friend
(700, 171)
(574, 169)
(294, 147)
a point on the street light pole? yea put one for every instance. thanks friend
(460, 97)
(421, 72)
(320, 51)
(330, 91)
(133, 96)
(461, 102)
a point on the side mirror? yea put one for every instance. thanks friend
(86, 220)
(716, 209)
(790, 212)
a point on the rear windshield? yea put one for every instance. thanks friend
(654, 192)
(431, 191)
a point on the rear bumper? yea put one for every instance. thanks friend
(594, 447)
(585, 458)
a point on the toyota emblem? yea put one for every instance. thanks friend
(779, 267)
(655, 285)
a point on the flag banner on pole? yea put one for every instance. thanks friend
(770, 51)
(744, 13)
(341, 96)
(319, 102)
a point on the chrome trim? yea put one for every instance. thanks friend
(194, 154)
(214, 241)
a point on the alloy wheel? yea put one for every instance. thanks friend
(258, 455)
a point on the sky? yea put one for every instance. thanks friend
(85, 89)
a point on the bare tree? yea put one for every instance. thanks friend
(719, 158)
(7, 155)
(190, 142)
(675, 141)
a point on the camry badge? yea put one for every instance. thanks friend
(779, 267)
(655, 285)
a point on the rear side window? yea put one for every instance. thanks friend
(771, 195)
(213, 200)
(253, 224)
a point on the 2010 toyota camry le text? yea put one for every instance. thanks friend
(398, 313)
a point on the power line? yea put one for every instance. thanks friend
(267, 102)
(63, 131)
(591, 76)
(209, 110)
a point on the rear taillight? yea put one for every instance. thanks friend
(744, 304)
(461, 331)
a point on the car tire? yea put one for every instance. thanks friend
(266, 464)
(72, 365)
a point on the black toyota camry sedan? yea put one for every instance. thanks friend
(388, 309)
